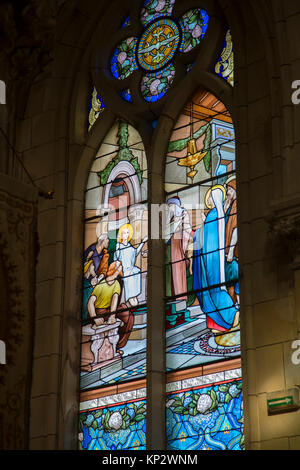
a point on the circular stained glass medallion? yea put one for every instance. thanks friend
(158, 44)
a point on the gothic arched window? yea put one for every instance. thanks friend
(160, 74)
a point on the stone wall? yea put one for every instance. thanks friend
(267, 147)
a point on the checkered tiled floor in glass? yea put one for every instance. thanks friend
(185, 348)
(137, 371)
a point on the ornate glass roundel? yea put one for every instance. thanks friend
(158, 44)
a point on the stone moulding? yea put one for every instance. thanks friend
(284, 229)
(18, 259)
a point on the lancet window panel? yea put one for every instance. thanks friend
(114, 300)
(206, 416)
(114, 419)
(202, 277)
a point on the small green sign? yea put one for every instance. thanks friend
(281, 402)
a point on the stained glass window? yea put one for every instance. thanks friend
(126, 22)
(115, 421)
(202, 282)
(114, 311)
(154, 51)
(96, 108)
(205, 412)
(194, 25)
(154, 86)
(126, 95)
(153, 9)
(123, 61)
(225, 64)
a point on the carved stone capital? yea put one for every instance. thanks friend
(284, 230)
(27, 36)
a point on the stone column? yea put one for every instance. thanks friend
(156, 367)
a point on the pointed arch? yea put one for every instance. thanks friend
(81, 161)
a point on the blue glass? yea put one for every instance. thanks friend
(222, 170)
(155, 85)
(126, 95)
(113, 64)
(121, 427)
(126, 22)
(123, 61)
(153, 99)
(194, 24)
(215, 302)
(210, 418)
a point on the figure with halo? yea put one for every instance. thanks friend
(209, 270)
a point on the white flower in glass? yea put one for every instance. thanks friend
(161, 5)
(204, 403)
(153, 86)
(197, 31)
(170, 403)
(122, 57)
(115, 421)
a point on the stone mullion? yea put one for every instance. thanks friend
(155, 325)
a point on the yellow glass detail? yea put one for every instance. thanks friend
(158, 44)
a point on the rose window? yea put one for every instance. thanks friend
(164, 37)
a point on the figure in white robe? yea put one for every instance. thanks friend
(126, 254)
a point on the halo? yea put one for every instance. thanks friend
(207, 196)
(130, 228)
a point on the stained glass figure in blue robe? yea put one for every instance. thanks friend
(209, 265)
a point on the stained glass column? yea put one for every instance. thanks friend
(204, 408)
(114, 308)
